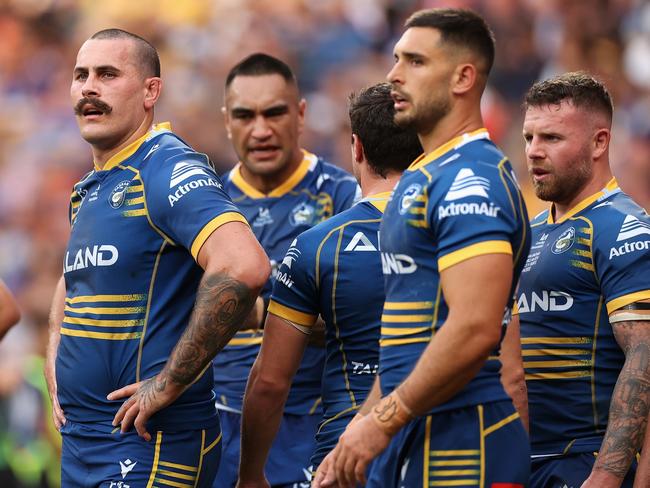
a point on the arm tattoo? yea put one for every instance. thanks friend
(630, 403)
(222, 303)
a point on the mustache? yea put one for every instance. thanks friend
(95, 102)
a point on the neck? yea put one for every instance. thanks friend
(102, 155)
(266, 183)
(458, 121)
(601, 176)
(371, 184)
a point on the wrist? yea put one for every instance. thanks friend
(391, 414)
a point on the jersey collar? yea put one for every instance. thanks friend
(611, 186)
(454, 143)
(307, 163)
(378, 200)
(134, 146)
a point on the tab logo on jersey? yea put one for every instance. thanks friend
(183, 171)
(408, 197)
(467, 184)
(364, 368)
(302, 214)
(360, 243)
(263, 218)
(397, 263)
(565, 241)
(632, 227)
(102, 255)
(118, 195)
(548, 301)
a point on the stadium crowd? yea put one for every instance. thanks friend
(335, 47)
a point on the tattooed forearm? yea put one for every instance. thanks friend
(221, 305)
(630, 404)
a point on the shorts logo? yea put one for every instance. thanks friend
(632, 227)
(126, 467)
(302, 214)
(467, 184)
(118, 195)
(183, 171)
(565, 241)
(408, 197)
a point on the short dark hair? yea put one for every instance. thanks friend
(460, 27)
(578, 87)
(387, 146)
(147, 54)
(259, 64)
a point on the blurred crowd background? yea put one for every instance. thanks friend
(335, 47)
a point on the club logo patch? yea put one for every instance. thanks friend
(118, 195)
(408, 197)
(565, 241)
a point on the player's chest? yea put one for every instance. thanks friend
(276, 220)
(404, 226)
(561, 256)
(110, 226)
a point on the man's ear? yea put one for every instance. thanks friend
(226, 121)
(153, 87)
(464, 78)
(358, 154)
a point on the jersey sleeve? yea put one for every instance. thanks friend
(622, 258)
(295, 292)
(470, 214)
(186, 200)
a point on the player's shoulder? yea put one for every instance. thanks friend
(540, 219)
(615, 209)
(325, 174)
(168, 158)
(326, 229)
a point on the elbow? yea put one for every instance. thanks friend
(254, 273)
(268, 386)
(485, 335)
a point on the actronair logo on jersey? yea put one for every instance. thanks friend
(632, 227)
(86, 257)
(467, 184)
(184, 170)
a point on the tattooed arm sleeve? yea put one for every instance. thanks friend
(630, 404)
(236, 268)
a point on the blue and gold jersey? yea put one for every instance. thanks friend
(458, 202)
(334, 270)
(313, 193)
(581, 269)
(131, 276)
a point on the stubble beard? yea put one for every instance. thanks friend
(564, 188)
(424, 119)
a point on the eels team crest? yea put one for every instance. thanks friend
(117, 196)
(565, 241)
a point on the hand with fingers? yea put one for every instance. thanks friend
(325, 471)
(145, 399)
(357, 447)
(57, 412)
